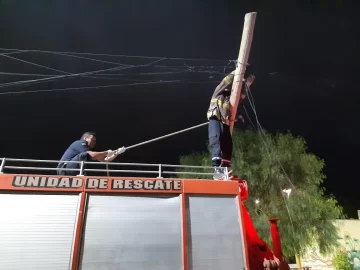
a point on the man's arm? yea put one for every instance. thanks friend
(111, 158)
(223, 84)
(248, 82)
(114, 154)
(99, 156)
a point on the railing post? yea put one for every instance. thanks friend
(159, 172)
(2, 165)
(81, 169)
(226, 173)
(107, 170)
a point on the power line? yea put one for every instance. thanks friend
(267, 147)
(117, 55)
(262, 133)
(50, 77)
(164, 73)
(116, 63)
(90, 59)
(13, 52)
(96, 77)
(190, 69)
(182, 66)
(108, 75)
(34, 64)
(92, 77)
(247, 114)
(52, 69)
(146, 73)
(252, 104)
(101, 86)
(74, 75)
(24, 74)
(115, 74)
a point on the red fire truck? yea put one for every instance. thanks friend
(114, 222)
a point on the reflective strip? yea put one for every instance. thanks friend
(225, 105)
(228, 79)
(214, 113)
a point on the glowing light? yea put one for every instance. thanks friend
(287, 191)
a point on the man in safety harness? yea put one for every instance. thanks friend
(219, 120)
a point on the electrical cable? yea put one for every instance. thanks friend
(101, 86)
(266, 147)
(52, 69)
(74, 75)
(116, 55)
(252, 104)
(247, 114)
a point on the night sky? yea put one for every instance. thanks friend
(305, 56)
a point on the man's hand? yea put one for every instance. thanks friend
(120, 150)
(250, 80)
(241, 118)
(110, 153)
(113, 154)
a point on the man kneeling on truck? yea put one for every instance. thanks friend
(83, 150)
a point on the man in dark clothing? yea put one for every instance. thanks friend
(83, 150)
(219, 123)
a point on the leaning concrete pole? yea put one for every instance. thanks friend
(244, 52)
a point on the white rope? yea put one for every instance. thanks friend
(165, 136)
(159, 138)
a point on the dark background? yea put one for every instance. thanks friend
(305, 55)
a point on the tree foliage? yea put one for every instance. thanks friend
(270, 164)
(341, 261)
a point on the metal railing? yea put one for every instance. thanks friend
(155, 169)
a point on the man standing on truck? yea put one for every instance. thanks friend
(83, 150)
(219, 119)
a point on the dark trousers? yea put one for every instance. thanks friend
(80, 157)
(220, 143)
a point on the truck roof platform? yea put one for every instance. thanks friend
(51, 221)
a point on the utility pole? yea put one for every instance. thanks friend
(244, 52)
